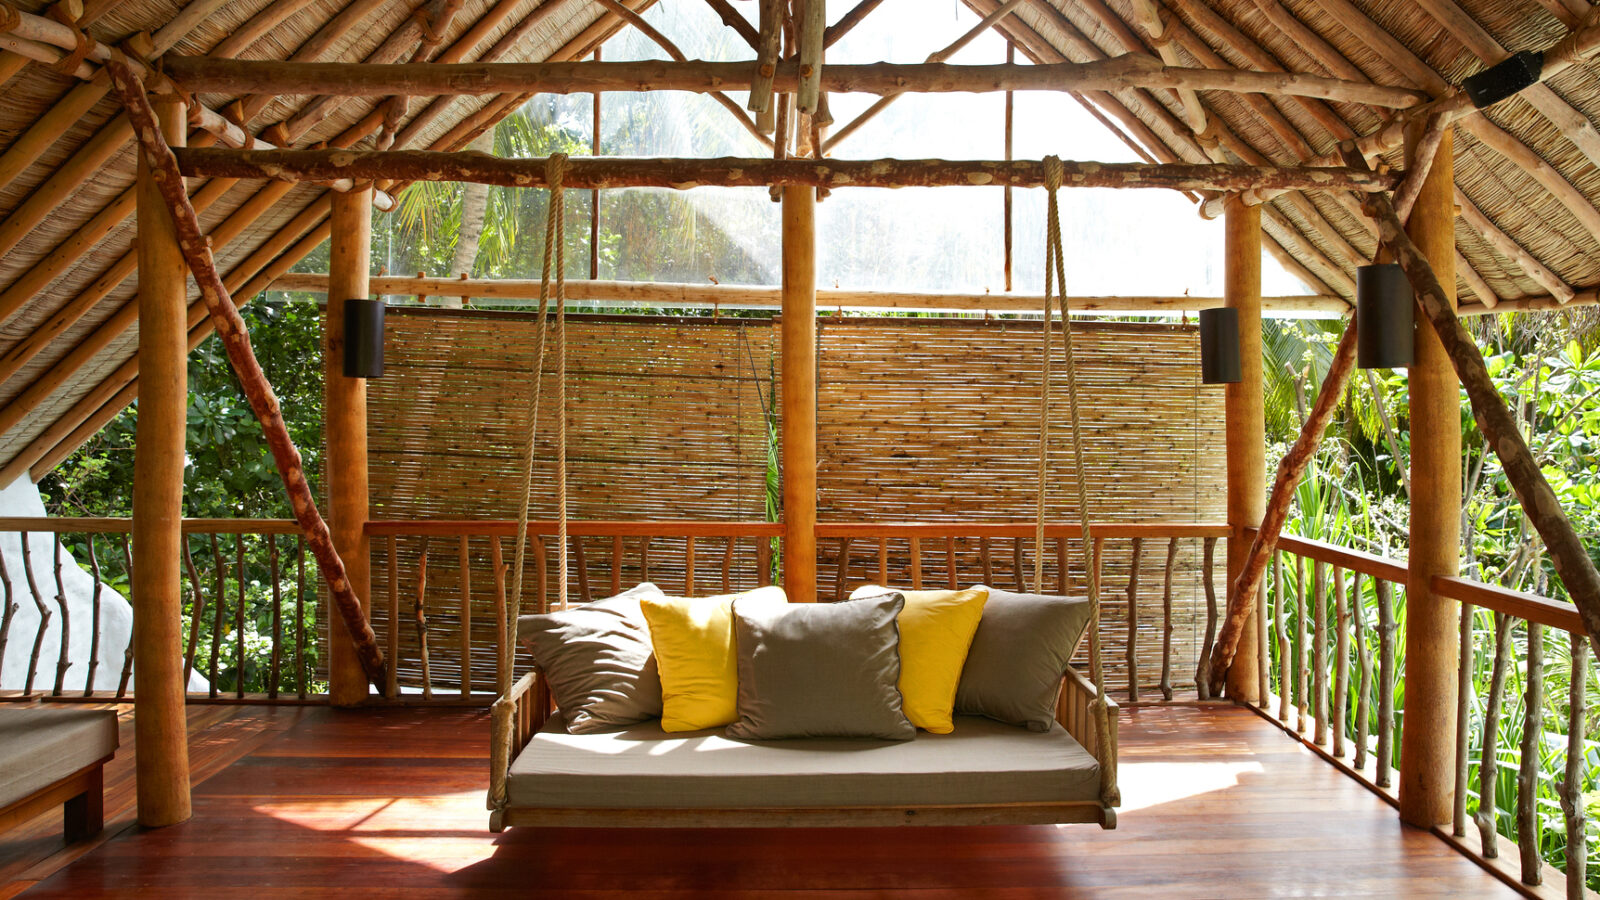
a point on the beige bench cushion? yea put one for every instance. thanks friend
(39, 747)
(981, 762)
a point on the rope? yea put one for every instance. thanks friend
(1055, 284)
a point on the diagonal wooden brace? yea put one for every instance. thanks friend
(230, 328)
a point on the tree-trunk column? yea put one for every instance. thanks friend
(1246, 423)
(1427, 746)
(799, 356)
(161, 744)
(345, 417)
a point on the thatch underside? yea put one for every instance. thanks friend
(67, 341)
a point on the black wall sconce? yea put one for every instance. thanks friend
(363, 338)
(1219, 345)
(1514, 73)
(1385, 317)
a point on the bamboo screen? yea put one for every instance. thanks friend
(938, 420)
(667, 420)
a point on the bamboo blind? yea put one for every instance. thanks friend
(938, 420)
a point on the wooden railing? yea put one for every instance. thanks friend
(1003, 555)
(239, 588)
(1315, 631)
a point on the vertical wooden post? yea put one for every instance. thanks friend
(1427, 741)
(799, 350)
(161, 732)
(345, 418)
(1244, 413)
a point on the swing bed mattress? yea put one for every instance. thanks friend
(981, 765)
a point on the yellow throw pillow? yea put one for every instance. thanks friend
(936, 629)
(693, 639)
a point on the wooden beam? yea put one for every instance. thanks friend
(680, 174)
(253, 382)
(345, 435)
(745, 296)
(798, 394)
(1244, 412)
(159, 719)
(1427, 745)
(210, 75)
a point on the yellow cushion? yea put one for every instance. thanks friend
(936, 629)
(693, 638)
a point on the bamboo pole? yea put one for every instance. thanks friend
(257, 389)
(681, 174)
(1280, 630)
(1528, 768)
(1465, 649)
(1302, 641)
(1363, 670)
(1244, 412)
(345, 434)
(160, 727)
(1319, 653)
(1386, 677)
(1570, 788)
(1341, 663)
(799, 394)
(1487, 817)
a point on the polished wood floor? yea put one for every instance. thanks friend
(316, 802)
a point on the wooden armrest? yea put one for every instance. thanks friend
(1076, 714)
(514, 719)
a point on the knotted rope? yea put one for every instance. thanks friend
(1055, 286)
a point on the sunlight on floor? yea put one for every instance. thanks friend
(458, 833)
(1150, 784)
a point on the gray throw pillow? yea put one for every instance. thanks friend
(598, 660)
(1018, 656)
(820, 670)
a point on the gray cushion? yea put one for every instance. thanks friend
(1018, 656)
(820, 670)
(598, 660)
(39, 747)
(643, 767)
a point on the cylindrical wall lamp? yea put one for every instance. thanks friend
(1385, 317)
(363, 338)
(1219, 345)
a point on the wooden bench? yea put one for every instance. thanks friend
(55, 757)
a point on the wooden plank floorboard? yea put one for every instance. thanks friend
(1218, 803)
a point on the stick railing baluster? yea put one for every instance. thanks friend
(501, 634)
(883, 562)
(64, 656)
(1063, 570)
(1338, 718)
(1364, 671)
(1302, 644)
(985, 561)
(1464, 649)
(1263, 655)
(127, 652)
(391, 684)
(842, 576)
(276, 662)
(916, 563)
(581, 560)
(1319, 653)
(11, 608)
(44, 616)
(616, 564)
(465, 555)
(763, 561)
(1166, 619)
(238, 619)
(1528, 770)
(950, 562)
(1487, 817)
(1570, 788)
(1208, 581)
(195, 614)
(541, 571)
(1386, 675)
(1020, 583)
(1133, 616)
(644, 566)
(727, 564)
(301, 677)
(419, 616)
(94, 620)
(1280, 630)
(220, 579)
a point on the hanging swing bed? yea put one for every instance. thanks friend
(982, 772)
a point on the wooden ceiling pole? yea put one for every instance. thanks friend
(159, 717)
(256, 388)
(798, 393)
(1244, 411)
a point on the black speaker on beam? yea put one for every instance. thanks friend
(363, 338)
(1501, 80)
(1385, 317)
(1219, 345)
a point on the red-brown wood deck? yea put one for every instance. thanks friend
(309, 801)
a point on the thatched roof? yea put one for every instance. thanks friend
(1525, 169)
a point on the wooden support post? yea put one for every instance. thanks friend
(1427, 742)
(799, 392)
(1245, 415)
(345, 418)
(160, 729)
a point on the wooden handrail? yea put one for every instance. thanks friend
(1520, 604)
(113, 525)
(1016, 529)
(577, 528)
(1344, 557)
